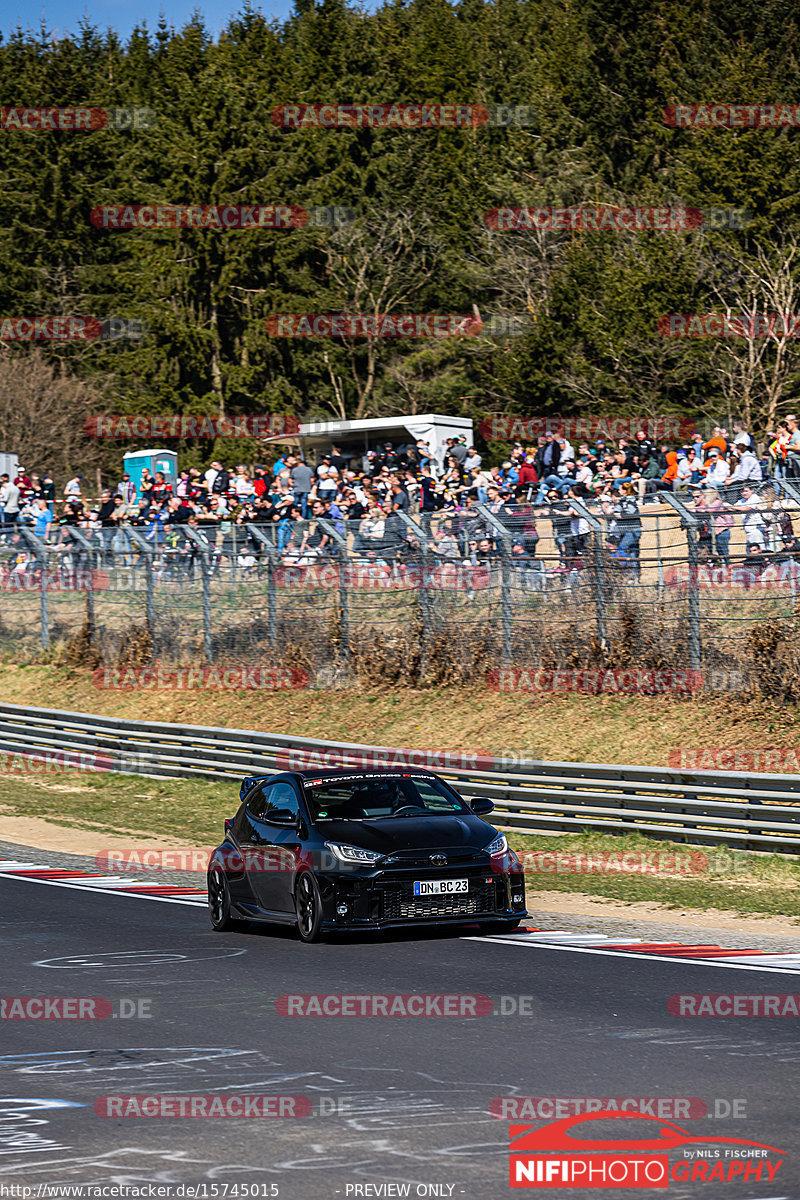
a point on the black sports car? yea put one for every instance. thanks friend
(348, 850)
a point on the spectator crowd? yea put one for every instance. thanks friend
(302, 509)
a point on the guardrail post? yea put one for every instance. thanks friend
(505, 577)
(598, 551)
(344, 600)
(689, 522)
(40, 550)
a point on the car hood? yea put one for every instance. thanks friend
(388, 835)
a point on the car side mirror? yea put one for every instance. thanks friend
(481, 806)
(282, 816)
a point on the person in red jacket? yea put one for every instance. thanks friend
(527, 477)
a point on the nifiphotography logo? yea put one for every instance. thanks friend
(574, 1153)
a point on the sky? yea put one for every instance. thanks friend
(62, 17)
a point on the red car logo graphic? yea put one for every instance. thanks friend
(526, 1139)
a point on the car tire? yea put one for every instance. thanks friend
(219, 901)
(308, 906)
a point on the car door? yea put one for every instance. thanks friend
(274, 848)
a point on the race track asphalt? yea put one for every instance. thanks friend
(395, 1100)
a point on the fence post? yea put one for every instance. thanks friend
(598, 551)
(689, 522)
(505, 569)
(80, 537)
(272, 613)
(424, 594)
(40, 550)
(148, 552)
(205, 573)
(344, 605)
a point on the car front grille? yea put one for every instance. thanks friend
(400, 902)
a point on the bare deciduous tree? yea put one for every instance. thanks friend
(755, 368)
(42, 415)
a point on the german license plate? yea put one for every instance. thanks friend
(440, 887)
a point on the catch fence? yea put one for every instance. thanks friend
(426, 597)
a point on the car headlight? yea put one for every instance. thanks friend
(498, 846)
(353, 854)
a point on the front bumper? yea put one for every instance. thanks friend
(386, 900)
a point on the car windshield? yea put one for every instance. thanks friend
(371, 798)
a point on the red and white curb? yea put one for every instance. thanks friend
(529, 936)
(708, 954)
(113, 885)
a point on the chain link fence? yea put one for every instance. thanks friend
(669, 584)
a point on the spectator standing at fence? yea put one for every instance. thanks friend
(302, 477)
(753, 521)
(314, 541)
(742, 437)
(684, 471)
(717, 470)
(723, 524)
(747, 468)
(473, 460)
(23, 482)
(578, 529)
(127, 489)
(717, 441)
(777, 450)
(73, 486)
(9, 501)
(793, 448)
(629, 526)
(49, 493)
(547, 457)
(644, 447)
(668, 479)
(527, 479)
(42, 519)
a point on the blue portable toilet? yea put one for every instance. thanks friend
(155, 460)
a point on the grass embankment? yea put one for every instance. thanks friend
(192, 812)
(567, 728)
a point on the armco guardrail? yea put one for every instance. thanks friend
(758, 812)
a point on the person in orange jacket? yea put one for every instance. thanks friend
(671, 472)
(717, 441)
